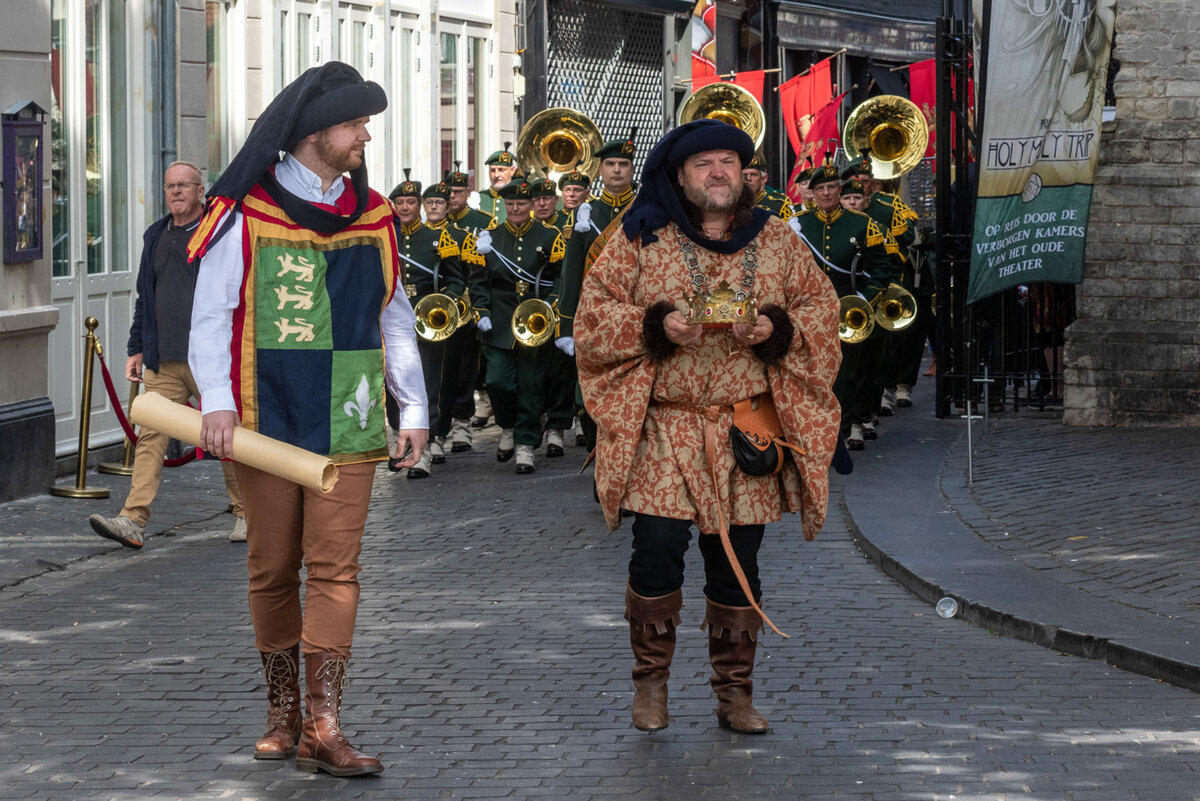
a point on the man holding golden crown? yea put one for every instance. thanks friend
(700, 302)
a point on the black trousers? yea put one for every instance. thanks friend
(656, 566)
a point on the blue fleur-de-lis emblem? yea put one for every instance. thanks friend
(362, 403)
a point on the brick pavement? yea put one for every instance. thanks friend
(492, 662)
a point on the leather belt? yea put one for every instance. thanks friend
(713, 443)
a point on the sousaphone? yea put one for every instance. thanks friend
(559, 140)
(893, 129)
(728, 103)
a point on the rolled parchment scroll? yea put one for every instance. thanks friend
(249, 447)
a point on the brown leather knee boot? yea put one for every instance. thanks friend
(652, 623)
(282, 672)
(732, 635)
(322, 744)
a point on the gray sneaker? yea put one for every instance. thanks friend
(121, 529)
(239, 530)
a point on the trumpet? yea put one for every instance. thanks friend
(437, 317)
(896, 310)
(533, 322)
(856, 319)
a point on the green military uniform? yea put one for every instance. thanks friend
(516, 374)
(908, 345)
(769, 198)
(429, 259)
(583, 247)
(775, 202)
(463, 351)
(560, 390)
(836, 238)
(468, 219)
(490, 201)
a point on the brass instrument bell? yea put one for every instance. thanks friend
(559, 140)
(533, 322)
(856, 319)
(437, 317)
(896, 310)
(893, 129)
(728, 103)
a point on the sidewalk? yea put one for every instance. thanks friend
(1080, 540)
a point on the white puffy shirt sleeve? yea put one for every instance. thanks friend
(405, 381)
(217, 295)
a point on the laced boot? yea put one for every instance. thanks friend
(322, 744)
(732, 635)
(652, 623)
(282, 672)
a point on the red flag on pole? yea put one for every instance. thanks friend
(801, 97)
(752, 82)
(823, 135)
(922, 90)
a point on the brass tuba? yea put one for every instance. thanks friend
(533, 322)
(896, 310)
(437, 317)
(893, 129)
(856, 319)
(728, 103)
(559, 140)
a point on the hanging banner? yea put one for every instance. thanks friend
(1046, 67)
(704, 43)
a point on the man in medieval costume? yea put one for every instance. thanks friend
(662, 385)
(297, 303)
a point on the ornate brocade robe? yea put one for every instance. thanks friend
(651, 458)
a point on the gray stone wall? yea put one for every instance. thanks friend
(1133, 356)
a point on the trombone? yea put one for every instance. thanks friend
(437, 317)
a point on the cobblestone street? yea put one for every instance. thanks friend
(492, 661)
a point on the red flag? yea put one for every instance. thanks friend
(802, 97)
(922, 90)
(752, 82)
(824, 128)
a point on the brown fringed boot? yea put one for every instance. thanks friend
(652, 623)
(282, 671)
(322, 744)
(732, 635)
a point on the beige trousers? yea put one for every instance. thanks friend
(174, 382)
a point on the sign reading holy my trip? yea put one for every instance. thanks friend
(1046, 67)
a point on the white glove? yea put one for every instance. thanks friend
(483, 242)
(484, 324)
(583, 218)
(473, 200)
(566, 345)
(794, 222)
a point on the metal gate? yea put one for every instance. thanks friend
(606, 62)
(1003, 351)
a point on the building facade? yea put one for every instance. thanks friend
(1131, 355)
(132, 85)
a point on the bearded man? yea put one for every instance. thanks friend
(296, 327)
(662, 386)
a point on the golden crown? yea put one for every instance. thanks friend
(722, 307)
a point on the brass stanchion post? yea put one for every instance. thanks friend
(91, 347)
(125, 466)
